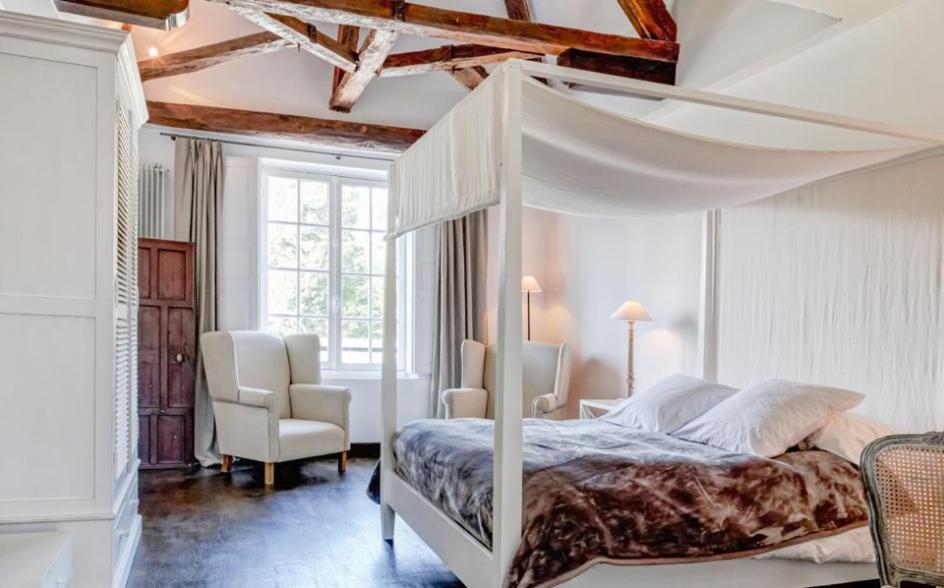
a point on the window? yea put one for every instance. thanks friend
(324, 255)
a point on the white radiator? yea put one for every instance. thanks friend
(152, 203)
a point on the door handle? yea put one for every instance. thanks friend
(179, 358)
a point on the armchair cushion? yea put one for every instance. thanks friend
(304, 358)
(465, 402)
(299, 438)
(328, 404)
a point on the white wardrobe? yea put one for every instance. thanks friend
(70, 106)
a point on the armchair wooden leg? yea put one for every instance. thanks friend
(342, 462)
(269, 474)
(227, 463)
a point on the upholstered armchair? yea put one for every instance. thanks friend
(546, 379)
(268, 400)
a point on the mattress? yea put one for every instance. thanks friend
(595, 491)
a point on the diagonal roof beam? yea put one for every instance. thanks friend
(374, 52)
(446, 58)
(470, 77)
(651, 19)
(306, 36)
(192, 60)
(463, 27)
(347, 36)
(519, 10)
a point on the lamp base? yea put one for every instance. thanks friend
(630, 382)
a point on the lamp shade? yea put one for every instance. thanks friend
(529, 284)
(631, 311)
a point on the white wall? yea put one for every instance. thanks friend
(239, 297)
(587, 267)
(840, 283)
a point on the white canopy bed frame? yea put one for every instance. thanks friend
(476, 157)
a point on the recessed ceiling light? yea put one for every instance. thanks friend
(152, 52)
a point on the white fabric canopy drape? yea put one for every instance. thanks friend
(579, 159)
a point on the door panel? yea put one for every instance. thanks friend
(180, 357)
(144, 273)
(149, 357)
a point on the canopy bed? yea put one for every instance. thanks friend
(514, 142)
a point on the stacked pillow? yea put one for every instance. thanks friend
(768, 417)
(764, 419)
(668, 404)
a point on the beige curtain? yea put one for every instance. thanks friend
(198, 207)
(460, 299)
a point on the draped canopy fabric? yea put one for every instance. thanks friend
(579, 159)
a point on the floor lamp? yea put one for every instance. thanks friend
(630, 311)
(529, 285)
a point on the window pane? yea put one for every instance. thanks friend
(376, 339)
(376, 297)
(283, 199)
(378, 210)
(354, 302)
(283, 245)
(282, 294)
(354, 247)
(314, 202)
(354, 340)
(313, 293)
(282, 325)
(318, 327)
(314, 248)
(355, 207)
(378, 253)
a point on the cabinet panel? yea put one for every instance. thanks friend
(180, 357)
(172, 275)
(173, 435)
(149, 357)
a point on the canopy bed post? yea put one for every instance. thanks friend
(508, 436)
(707, 321)
(388, 395)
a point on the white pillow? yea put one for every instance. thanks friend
(847, 435)
(668, 404)
(769, 417)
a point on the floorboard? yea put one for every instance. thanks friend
(315, 529)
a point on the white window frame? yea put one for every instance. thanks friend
(335, 177)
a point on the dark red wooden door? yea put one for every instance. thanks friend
(166, 353)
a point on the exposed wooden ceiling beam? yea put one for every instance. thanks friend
(282, 126)
(347, 36)
(447, 57)
(628, 67)
(376, 47)
(192, 60)
(470, 77)
(651, 19)
(156, 14)
(427, 21)
(306, 36)
(519, 10)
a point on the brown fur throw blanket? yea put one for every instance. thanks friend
(595, 491)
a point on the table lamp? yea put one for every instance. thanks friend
(529, 285)
(630, 311)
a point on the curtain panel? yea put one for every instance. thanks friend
(198, 209)
(460, 299)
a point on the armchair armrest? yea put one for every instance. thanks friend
(258, 397)
(465, 402)
(543, 404)
(316, 402)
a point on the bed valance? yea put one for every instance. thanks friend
(579, 159)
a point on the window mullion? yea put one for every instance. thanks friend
(334, 265)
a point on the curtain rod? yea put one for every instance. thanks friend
(336, 155)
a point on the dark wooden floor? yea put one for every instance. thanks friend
(315, 529)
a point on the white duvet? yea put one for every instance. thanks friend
(853, 546)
